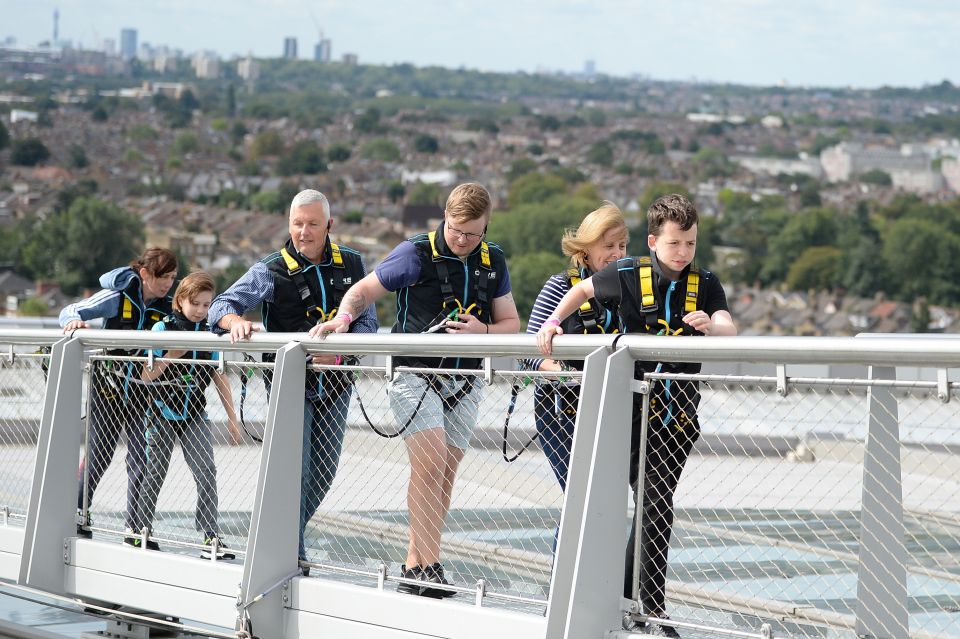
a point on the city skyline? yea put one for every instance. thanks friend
(863, 43)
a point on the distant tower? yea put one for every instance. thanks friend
(290, 48)
(128, 44)
(322, 50)
(589, 68)
(56, 26)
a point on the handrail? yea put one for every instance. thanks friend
(906, 350)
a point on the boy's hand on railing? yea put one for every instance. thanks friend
(700, 321)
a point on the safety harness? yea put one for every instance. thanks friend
(650, 305)
(481, 288)
(308, 288)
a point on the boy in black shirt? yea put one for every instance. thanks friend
(662, 294)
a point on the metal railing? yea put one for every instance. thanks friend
(807, 503)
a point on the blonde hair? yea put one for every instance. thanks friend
(191, 286)
(469, 201)
(593, 227)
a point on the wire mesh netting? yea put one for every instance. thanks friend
(22, 384)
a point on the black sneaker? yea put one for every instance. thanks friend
(132, 539)
(413, 573)
(434, 574)
(223, 551)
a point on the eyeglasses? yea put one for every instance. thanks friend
(460, 235)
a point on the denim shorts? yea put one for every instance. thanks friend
(458, 422)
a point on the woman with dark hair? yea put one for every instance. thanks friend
(134, 297)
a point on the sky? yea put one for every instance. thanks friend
(829, 43)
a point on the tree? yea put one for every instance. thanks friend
(78, 157)
(425, 144)
(806, 228)
(238, 132)
(304, 157)
(4, 137)
(528, 272)
(368, 121)
(186, 142)
(33, 307)
(816, 268)
(74, 247)
(231, 100)
(426, 193)
(534, 188)
(876, 176)
(266, 143)
(396, 191)
(520, 166)
(268, 202)
(600, 153)
(28, 152)
(338, 152)
(921, 258)
(380, 149)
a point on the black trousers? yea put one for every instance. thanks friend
(672, 430)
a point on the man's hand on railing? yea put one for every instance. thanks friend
(73, 325)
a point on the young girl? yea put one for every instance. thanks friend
(177, 411)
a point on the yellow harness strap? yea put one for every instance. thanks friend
(127, 309)
(292, 264)
(693, 288)
(484, 250)
(645, 273)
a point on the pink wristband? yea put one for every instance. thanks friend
(339, 360)
(552, 322)
(346, 316)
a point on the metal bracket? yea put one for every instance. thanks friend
(766, 631)
(481, 592)
(381, 576)
(66, 551)
(782, 389)
(943, 385)
(641, 386)
(390, 373)
(10, 355)
(488, 370)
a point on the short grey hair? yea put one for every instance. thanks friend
(309, 196)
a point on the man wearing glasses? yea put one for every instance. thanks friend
(449, 280)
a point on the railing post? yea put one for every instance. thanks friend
(51, 514)
(588, 573)
(272, 542)
(882, 579)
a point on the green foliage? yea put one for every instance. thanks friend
(381, 149)
(268, 202)
(368, 122)
(425, 193)
(142, 132)
(304, 157)
(78, 157)
(75, 246)
(352, 217)
(267, 143)
(99, 114)
(709, 163)
(600, 153)
(659, 189)
(534, 188)
(810, 195)
(538, 225)
(804, 229)
(921, 257)
(238, 131)
(249, 167)
(815, 268)
(395, 191)
(231, 198)
(425, 143)
(876, 176)
(33, 307)
(338, 152)
(528, 272)
(535, 149)
(28, 152)
(4, 137)
(186, 142)
(520, 166)
(487, 125)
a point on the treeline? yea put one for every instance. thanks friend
(906, 250)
